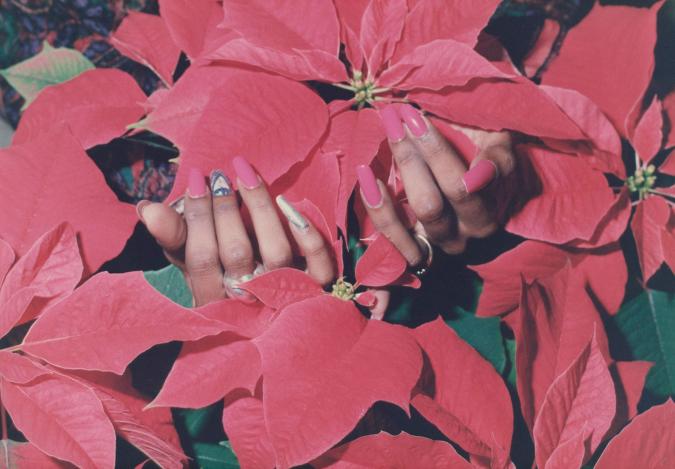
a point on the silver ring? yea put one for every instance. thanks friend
(232, 284)
(430, 255)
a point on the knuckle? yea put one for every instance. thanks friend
(384, 225)
(198, 214)
(278, 262)
(313, 247)
(429, 209)
(202, 263)
(434, 147)
(486, 230)
(225, 207)
(237, 255)
(259, 204)
(406, 156)
(456, 192)
(456, 246)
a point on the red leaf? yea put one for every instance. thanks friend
(192, 23)
(611, 226)
(146, 39)
(244, 423)
(246, 320)
(381, 27)
(647, 138)
(151, 431)
(18, 369)
(49, 271)
(649, 441)
(367, 299)
(429, 20)
(6, 259)
(439, 64)
(392, 451)
(629, 380)
(97, 106)
(580, 401)
(380, 265)
(313, 353)
(608, 39)
(495, 105)
(350, 14)
(281, 287)
(573, 200)
(668, 166)
(669, 110)
(109, 321)
(101, 222)
(208, 369)
(356, 137)
(275, 113)
(14, 454)
(649, 220)
(468, 401)
(557, 319)
(63, 419)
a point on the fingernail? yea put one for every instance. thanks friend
(220, 184)
(294, 216)
(391, 121)
(178, 205)
(369, 187)
(196, 184)
(246, 173)
(479, 176)
(413, 120)
(139, 209)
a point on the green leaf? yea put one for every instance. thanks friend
(483, 334)
(211, 456)
(170, 282)
(199, 423)
(647, 323)
(50, 67)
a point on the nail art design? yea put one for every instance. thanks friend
(391, 121)
(413, 120)
(293, 215)
(482, 174)
(178, 205)
(246, 173)
(196, 184)
(220, 184)
(369, 187)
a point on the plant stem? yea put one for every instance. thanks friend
(14, 348)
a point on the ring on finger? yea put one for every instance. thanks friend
(232, 284)
(430, 254)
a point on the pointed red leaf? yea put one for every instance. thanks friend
(192, 23)
(282, 287)
(609, 38)
(244, 423)
(14, 454)
(611, 226)
(7, 258)
(356, 137)
(381, 27)
(275, 113)
(145, 38)
(629, 380)
(429, 20)
(647, 139)
(49, 271)
(244, 319)
(63, 419)
(517, 104)
(350, 14)
(101, 222)
(208, 369)
(573, 200)
(381, 264)
(468, 401)
(19, 369)
(648, 441)
(394, 452)
(109, 321)
(580, 400)
(313, 352)
(439, 64)
(668, 166)
(649, 220)
(93, 116)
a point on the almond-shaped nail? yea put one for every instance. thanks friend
(482, 174)
(294, 216)
(369, 187)
(391, 121)
(220, 184)
(139, 209)
(413, 120)
(196, 184)
(246, 173)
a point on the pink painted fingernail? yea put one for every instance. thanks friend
(246, 173)
(369, 187)
(479, 176)
(196, 184)
(391, 121)
(413, 119)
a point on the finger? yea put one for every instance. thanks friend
(166, 226)
(201, 248)
(384, 217)
(274, 247)
(311, 243)
(234, 247)
(450, 173)
(380, 308)
(424, 196)
(496, 147)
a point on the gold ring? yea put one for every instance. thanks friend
(430, 254)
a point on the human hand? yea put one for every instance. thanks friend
(451, 203)
(209, 241)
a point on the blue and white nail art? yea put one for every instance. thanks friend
(220, 184)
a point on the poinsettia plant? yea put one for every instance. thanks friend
(557, 351)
